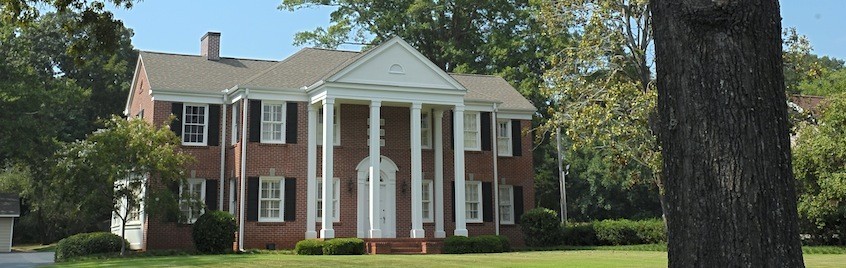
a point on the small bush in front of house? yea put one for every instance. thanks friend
(343, 246)
(540, 227)
(578, 234)
(476, 244)
(614, 232)
(87, 244)
(214, 232)
(309, 247)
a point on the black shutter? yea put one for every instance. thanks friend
(172, 215)
(518, 203)
(211, 195)
(453, 201)
(452, 135)
(252, 198)
(486, 130)
(291, 122)
(487, 202)
(176, 125)
(214, 125)
(290, 199)
(516, 140)
(255, 120)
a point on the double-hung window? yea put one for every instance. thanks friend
(473, 201)
(195, 123)
(503, 137)
(192, 193)
(272, 122)
(336, 125)
(336, 205)
(427, 201)
(270, 198)
(472, 133)
(506, 204)
(426, 130)
(236, 122)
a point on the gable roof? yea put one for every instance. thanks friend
(302, 69)
(10, 205)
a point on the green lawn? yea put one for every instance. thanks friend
(572, 258)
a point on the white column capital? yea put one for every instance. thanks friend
(376, 103)
(439, 113)
(329, 100)
(459, 108)
(416, 105)
(312, 107)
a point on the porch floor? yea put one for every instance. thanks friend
(404, 245)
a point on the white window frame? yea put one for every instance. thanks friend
(205, 124)
(336, 125)
(428, 201)
(236, 122)
(190, 219)
(281, 199)
(477, 185)
(509, 204)
(282, 105)
(336, 199)
(507, 151)
(426, 129)
(478, 131)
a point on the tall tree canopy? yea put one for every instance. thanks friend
(724, 133)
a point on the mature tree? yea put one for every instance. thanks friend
(601, 85)
(820, 168)
(802, 66)
(829, 83)
(724, 134)
(111, 168)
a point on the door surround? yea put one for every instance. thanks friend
(388, 179)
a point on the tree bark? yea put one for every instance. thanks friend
(724, 132)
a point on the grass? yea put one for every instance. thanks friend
(561, 258)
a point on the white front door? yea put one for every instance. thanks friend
(387, 218)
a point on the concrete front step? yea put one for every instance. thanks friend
(404, 245)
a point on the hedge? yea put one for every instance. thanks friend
(540, 227)
(214, 232)
(87, 244)
(309, 247)
(476, 244)
(614, 232)
(343, 246)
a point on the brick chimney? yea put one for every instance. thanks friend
(210, 46)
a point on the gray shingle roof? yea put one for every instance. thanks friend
(304, 68)
(10, 204)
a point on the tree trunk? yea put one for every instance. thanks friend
(123, 235)
(724, 132)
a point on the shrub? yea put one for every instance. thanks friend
(540, 227)
(87, 244)
(214, 232)
(614, 232)
(343, 246)
(309, 247)
(476, 244)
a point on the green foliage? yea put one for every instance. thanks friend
(88, 244)
(214, 232)
(309, 247)
(829, 83)
(819, 165)
(343, 246)
(540, 227)
(801, 66)
(476, 244)
(614, 232)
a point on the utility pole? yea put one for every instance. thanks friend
(562, 175)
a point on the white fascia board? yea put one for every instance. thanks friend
(478, 106)
(10, 216)
(521, 115)
(287, 94)
(401, 84)
(196, 96)
(396, 89)
(138, 65)
(386, 94)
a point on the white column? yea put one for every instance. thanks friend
(311, 173)
(327, 230)
(375, 170)
(438, 130)
(458, 134)
(416, 174)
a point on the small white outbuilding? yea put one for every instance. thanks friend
(10, 208)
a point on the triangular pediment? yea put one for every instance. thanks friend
(395, 63)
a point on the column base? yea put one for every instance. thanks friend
(460, 232)
(310, 234)
(328, 233)
(418, 233)
(375, 233)
(440, 234)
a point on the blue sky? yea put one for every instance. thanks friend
(257, 29)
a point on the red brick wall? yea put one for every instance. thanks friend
(289, 160)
